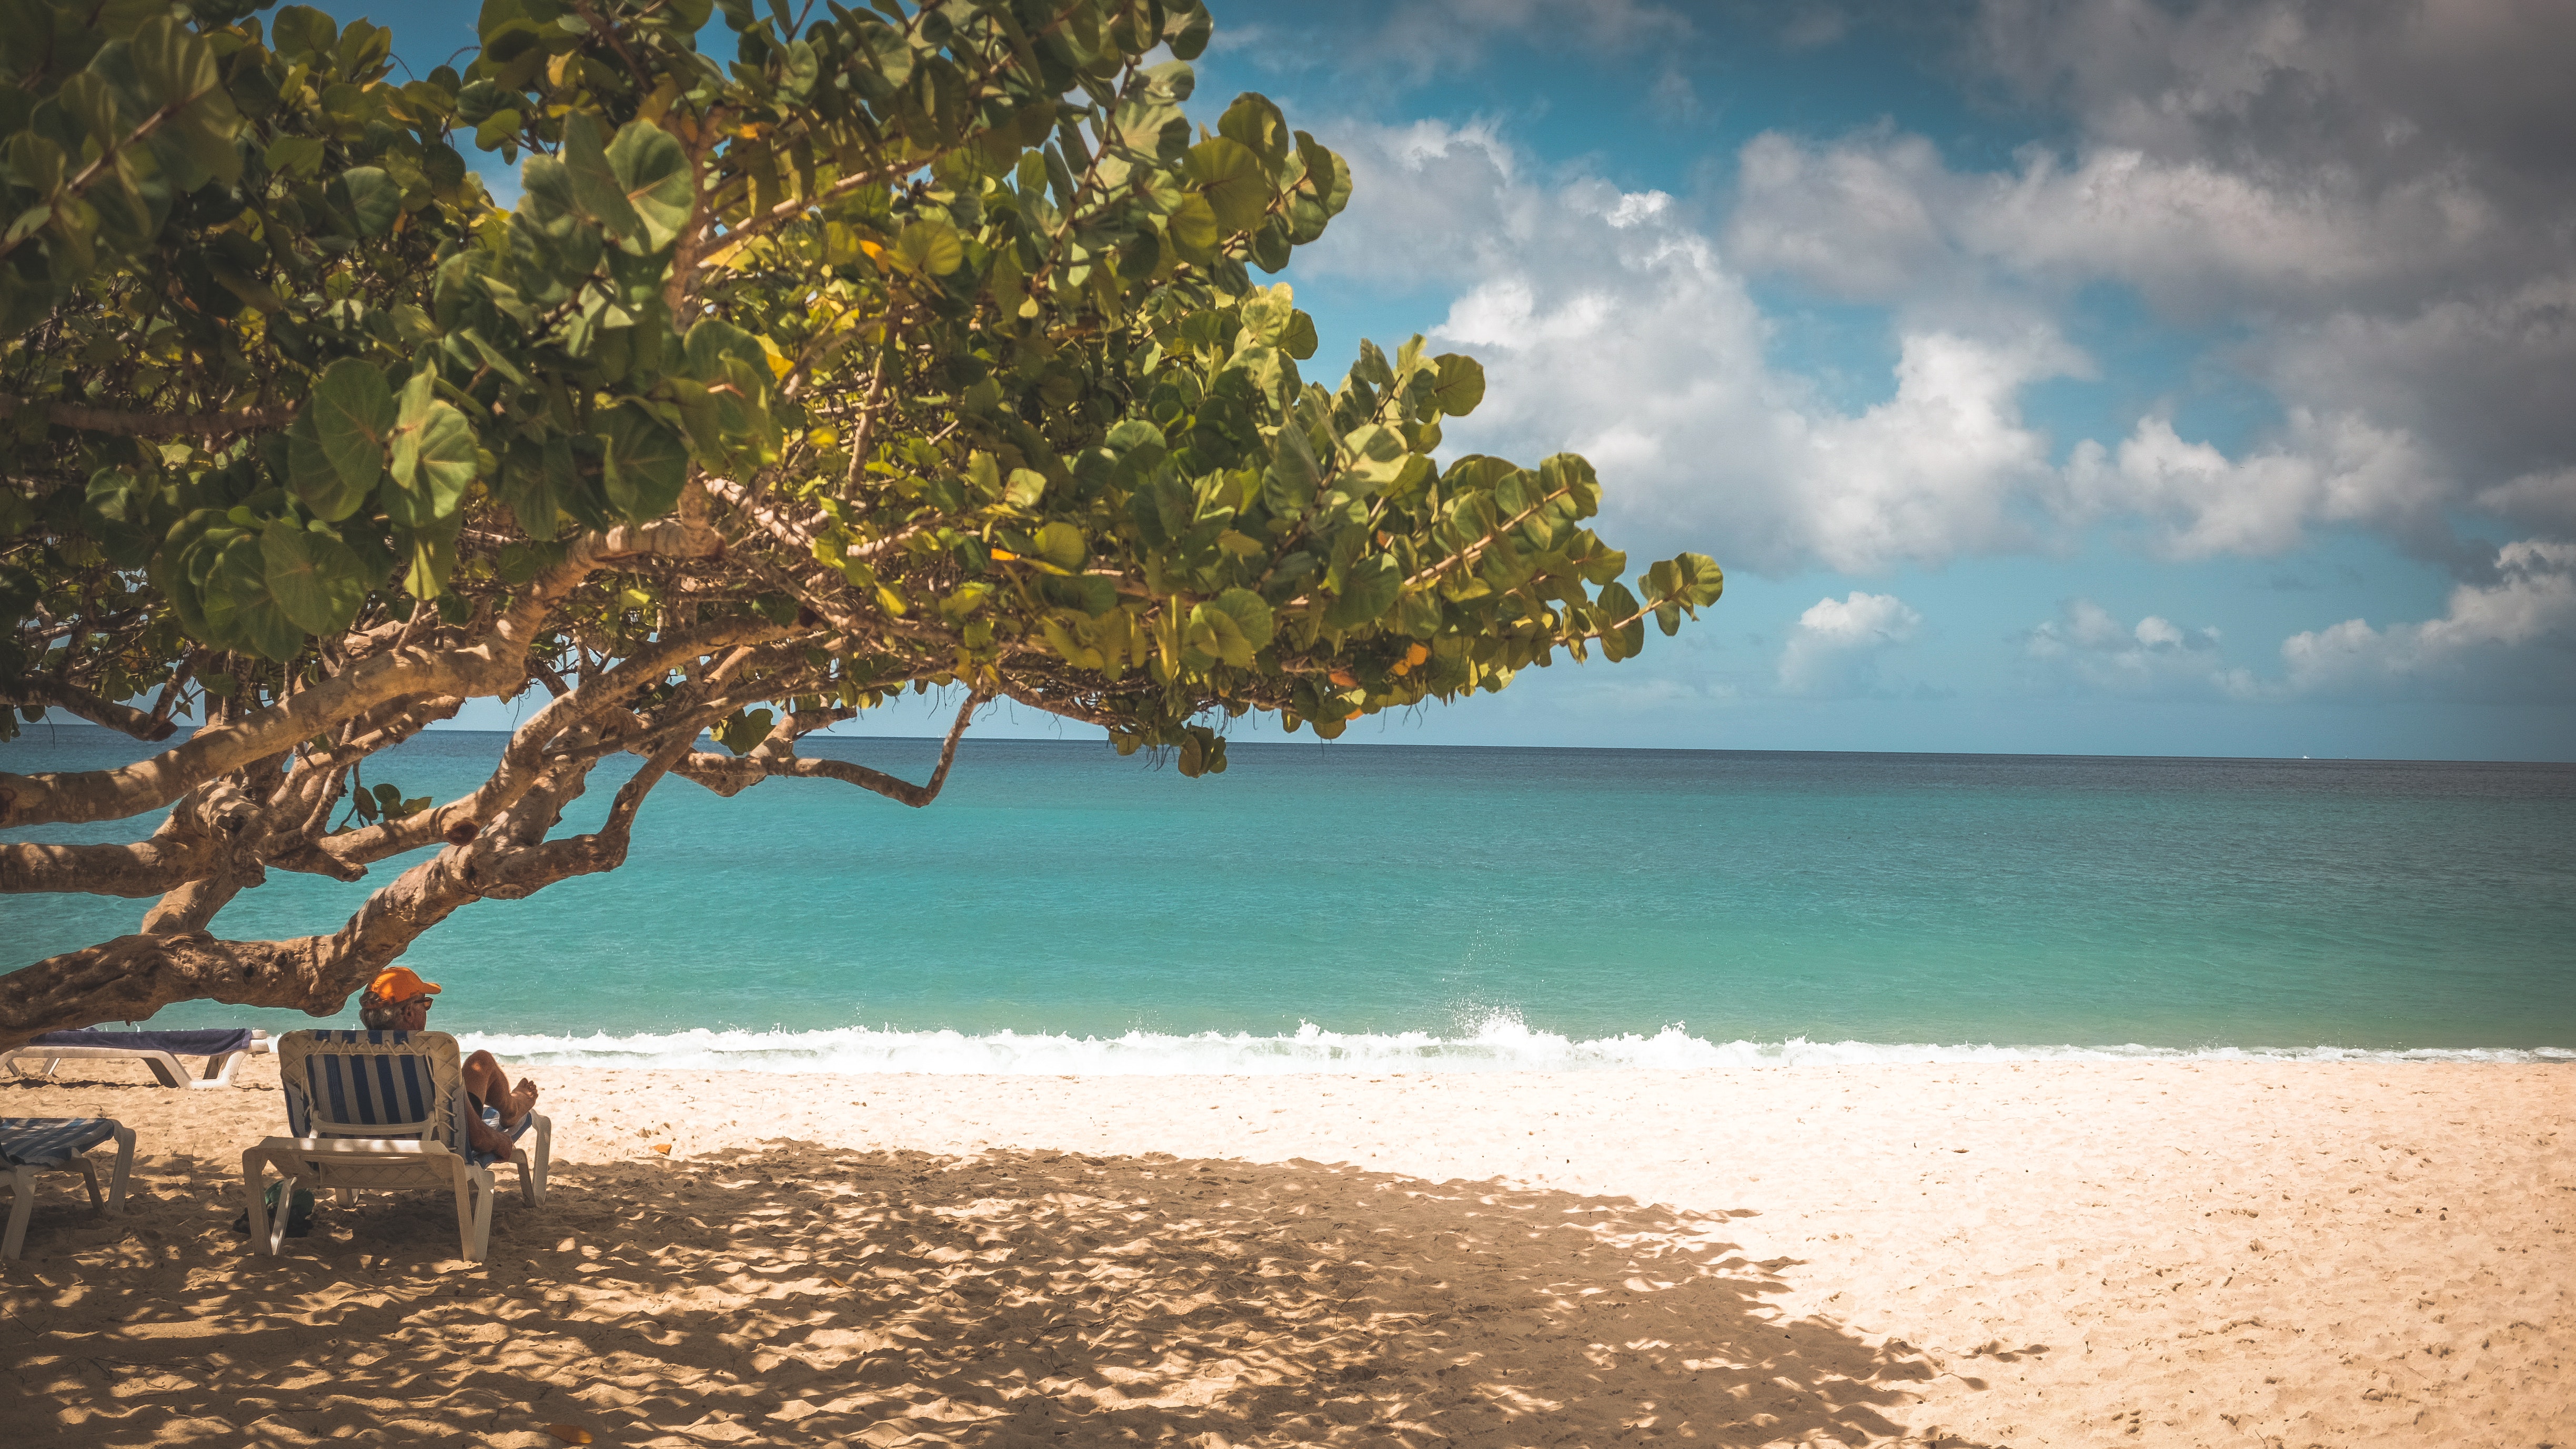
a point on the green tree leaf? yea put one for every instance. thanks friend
(375, 198)
(1368, 590)
(1622, 636)
(1061, 544)
(1186, 28)
(930, 246)
(1193, 230)
(743, 730)
(1288, 485)
(1250, 614)
(317, 582)
(433, 457)
(430, 558)
(178, 67)
(644, 463)
(598, 191)
(240, 612)
(1461, 384)
(352, 414)
(654, 171)
(1230, 177)
(1255, 123)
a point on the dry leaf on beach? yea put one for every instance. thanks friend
(569, 1433)
(662, 1147)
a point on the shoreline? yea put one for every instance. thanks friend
(2199, 1250)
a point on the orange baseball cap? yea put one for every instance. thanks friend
(400, 983)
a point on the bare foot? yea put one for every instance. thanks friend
(523, 1100)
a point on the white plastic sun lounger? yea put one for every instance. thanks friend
(29, 1145)
(223, 1050)
(381, 1110)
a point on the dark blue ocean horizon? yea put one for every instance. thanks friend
(1398, 903)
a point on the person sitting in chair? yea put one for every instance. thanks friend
(398, 1000)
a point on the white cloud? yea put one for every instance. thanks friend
(2086, 649)
(1609, 324)
(2372, 89)
(2200, 502)
(2362, 192)
(2482, 372)
(1836, 645)
(1865, 220)
(2512, 639)
(2541, 502)
(1881, 217)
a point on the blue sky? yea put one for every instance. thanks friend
(2070, 378)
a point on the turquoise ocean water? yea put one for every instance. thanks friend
(1378, 907)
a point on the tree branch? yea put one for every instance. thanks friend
(64, 695)
(730, 775)
(494, 665)
(524, 757)
(154, 425)
(131, 977)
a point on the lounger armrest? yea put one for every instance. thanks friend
(353, 1146)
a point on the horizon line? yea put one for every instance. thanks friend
(1237, 743)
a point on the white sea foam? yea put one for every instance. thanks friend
(1501, 1043)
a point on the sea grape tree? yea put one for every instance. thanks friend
(914, 347)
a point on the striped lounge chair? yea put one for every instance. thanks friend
(57, 1144)
(378, 1110)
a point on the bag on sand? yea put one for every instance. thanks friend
(299, 1215)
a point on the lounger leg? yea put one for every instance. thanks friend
(254, 1211)
(166, 1069)
(22, 1202)
(124, 1175)
(219, 1070)
(473, 1210)
(266, 1235)
(89, 1176)
(544, 1155)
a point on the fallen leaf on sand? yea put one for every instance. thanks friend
(569, 1433)
(662, 1147)
(837, 1283)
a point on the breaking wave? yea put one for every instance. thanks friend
(1501, 1043)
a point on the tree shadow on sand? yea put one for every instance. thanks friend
(802, 1294)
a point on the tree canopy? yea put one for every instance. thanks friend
(913, 347)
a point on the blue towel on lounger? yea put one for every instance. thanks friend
(51, 1141)
(205, 1042)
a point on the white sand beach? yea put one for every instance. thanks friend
(2183, 1253)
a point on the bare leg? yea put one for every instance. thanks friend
(491, 1086)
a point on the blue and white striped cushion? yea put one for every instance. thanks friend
(360, 1089)
(51, 1141)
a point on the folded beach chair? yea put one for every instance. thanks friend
(30, 1145)
(378, 1110)
(223, 1048)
